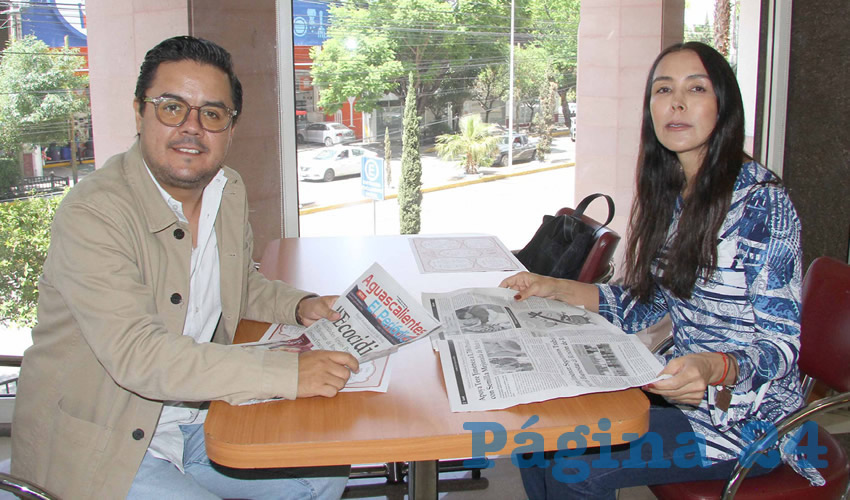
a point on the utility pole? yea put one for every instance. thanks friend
(14, 13)
(73, 143)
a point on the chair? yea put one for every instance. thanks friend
(824, 351)
(598, 267)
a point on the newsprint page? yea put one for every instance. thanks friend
(496, 352)
(377, 316)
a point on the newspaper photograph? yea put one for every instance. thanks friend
(377, 316)
(496, 352)
(463, 254)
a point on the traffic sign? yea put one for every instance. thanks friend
(372, 178)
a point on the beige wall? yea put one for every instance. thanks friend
(120, 32)
(618, 40)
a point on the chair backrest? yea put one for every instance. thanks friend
(598, 261)
(825, 323)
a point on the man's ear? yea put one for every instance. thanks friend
(137, 108)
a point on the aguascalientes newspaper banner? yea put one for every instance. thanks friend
(496, 352)
(377, 316)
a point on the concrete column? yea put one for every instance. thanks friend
(618, 40)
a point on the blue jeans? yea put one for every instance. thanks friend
(161, 480)
(603, 483)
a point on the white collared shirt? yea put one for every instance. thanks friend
(203, 310)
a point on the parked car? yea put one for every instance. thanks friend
(301, 124)
(327, 133)
(523, 150)
(328, 163)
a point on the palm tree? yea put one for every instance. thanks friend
(722, 19)
(473, 145)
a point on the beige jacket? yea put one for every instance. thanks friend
(108, 347)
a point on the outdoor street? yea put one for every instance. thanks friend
(510, 208)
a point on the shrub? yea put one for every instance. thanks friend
(24, 238)
(10, 174)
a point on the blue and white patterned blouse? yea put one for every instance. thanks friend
(749, 308)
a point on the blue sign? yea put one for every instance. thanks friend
(51, 22)
(372, 178)
(309, 22)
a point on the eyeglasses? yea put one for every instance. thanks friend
(173, 112)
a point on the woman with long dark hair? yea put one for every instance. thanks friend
(714, 242)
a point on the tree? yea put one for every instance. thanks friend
(490, 87)
(24, 238)
(410, 187)
(367, 65)
(544, 122)
(371, 46)
(554, 26)
(532, 66)
(722, 18)
(473, 145)
(40, 91)
(388, 157)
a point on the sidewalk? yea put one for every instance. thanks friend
(438, 174)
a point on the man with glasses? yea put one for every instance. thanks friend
(149, 272)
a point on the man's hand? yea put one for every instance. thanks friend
(691, 374)
(312, 309)
(324, 373)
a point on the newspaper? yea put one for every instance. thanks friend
(377, 316)
(373, 376)
(462, 254)
(496, 352)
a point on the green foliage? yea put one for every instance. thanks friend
(25, 236)
(544, 120)
(388, 156)
(410, 187)
(40, 89)
(473, 145)
(10, 174)
(555, 29)
(354, 67)
(372, 45)
(490, 87)
(532, 67)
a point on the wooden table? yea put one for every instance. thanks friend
(412, 421)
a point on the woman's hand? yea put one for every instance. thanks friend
(572, 292)
(690, 376)
(312, 309)
(531, 285)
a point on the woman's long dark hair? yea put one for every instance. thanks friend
(693, 252)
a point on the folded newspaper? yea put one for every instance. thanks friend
(377, 316)
(496, 352)
(373, 376)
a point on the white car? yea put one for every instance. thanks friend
(327, 133)
(328, 163)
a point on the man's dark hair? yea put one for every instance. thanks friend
(188, 48)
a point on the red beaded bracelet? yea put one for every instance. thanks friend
(725, 369)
